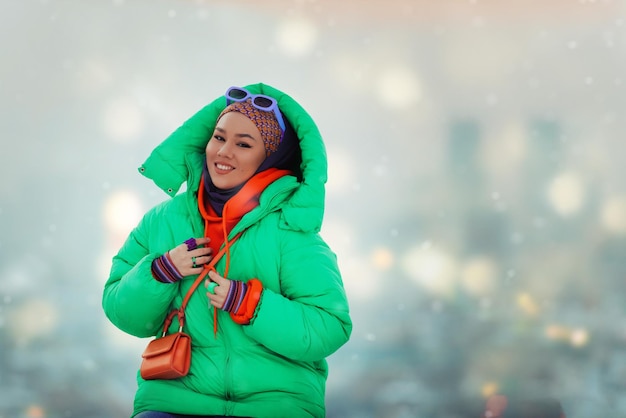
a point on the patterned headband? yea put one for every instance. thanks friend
(265, 122)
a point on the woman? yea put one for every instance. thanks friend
(275, 306)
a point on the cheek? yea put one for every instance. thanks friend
(210, 148)
(258, 160)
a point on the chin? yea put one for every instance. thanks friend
(224, 185)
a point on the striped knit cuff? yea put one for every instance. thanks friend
(236, 294)
(164, 270)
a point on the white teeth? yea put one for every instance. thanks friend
(223, 167)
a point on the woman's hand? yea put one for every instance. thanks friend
(184, 259)
(220, 286)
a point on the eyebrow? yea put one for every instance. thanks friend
(241, 135)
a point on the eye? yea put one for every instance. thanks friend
(218, 138)
(244, 145)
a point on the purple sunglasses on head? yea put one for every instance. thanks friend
(260, 101)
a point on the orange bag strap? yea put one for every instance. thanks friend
(180, 312)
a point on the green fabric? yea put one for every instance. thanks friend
(274, 367)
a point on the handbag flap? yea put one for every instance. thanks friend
(161, 345)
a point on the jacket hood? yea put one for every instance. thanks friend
(168, 164)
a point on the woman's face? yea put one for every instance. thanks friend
(235, 151)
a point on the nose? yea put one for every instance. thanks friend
(224, 150)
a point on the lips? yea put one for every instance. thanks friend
(221, 168)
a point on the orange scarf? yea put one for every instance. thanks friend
(217, 228)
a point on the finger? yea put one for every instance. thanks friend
(194, 266)
(215, 276)
(196, 270)
(190, 244)
(202, 251)
(219, 297)
(203, 240)
(216, 299)
(196, 262)
(215, 302)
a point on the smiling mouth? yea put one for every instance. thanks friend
(223, 167)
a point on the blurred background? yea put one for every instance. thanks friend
(476, 198)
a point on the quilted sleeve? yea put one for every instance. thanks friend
(309, 319)
(133, 300)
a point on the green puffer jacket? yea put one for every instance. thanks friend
(274, 367)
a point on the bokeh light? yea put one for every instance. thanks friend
(122, 211)
(342, 174)
(489, 388)
(122, 119)
(35, 411)
(398, 87)
(478, 276)
(528, 304)
(383, 258)
(34, 318)
(613, 214)
(296, 36)
(431, 268)
(362, 281)
(574, 336)
(566, 193)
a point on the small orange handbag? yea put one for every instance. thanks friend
(169, 356)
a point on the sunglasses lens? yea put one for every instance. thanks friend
(263, 102)
(237, 94)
